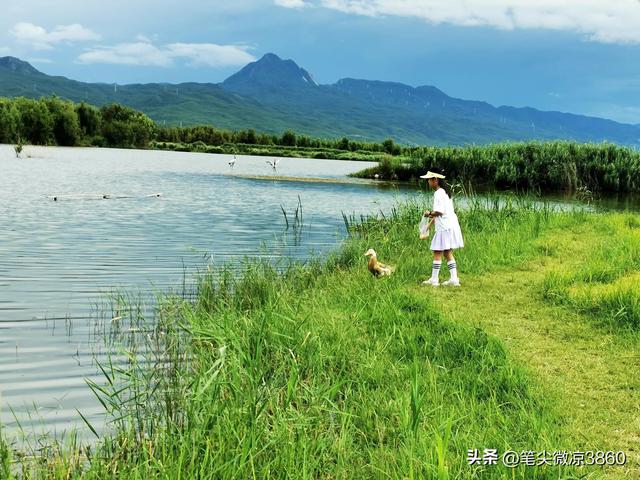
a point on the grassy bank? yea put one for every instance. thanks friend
(532, 166)
(272, 151)
(322, 371)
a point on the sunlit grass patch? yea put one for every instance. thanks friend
(607, 283)
(613, 299)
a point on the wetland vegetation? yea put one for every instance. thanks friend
(321, 370)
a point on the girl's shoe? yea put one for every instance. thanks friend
(432, 282)
(451, 283)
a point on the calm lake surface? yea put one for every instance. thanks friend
(61, 261)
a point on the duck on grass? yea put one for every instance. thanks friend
(377, 268)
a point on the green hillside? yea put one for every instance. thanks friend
(273, 95)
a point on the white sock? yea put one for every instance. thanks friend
(453, 270)
(435, 270)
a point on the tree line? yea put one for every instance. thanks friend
(55, 121)
(211, 135)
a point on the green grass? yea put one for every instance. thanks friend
(606, 284)
(322, 371)
(580, 362)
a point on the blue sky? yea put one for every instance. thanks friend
(579, 56)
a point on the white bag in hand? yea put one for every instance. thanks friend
(423, 228)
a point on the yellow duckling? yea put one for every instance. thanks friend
(375, 267)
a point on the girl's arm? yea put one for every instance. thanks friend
(432, 213)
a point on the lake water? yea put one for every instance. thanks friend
(61, 260)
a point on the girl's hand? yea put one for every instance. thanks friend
(427, 213)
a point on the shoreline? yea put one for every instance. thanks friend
(345, 181)
(336, 343)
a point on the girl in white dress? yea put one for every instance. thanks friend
(448, 235)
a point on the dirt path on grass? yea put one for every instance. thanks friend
(591, 376)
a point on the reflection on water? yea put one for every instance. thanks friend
(65, 248)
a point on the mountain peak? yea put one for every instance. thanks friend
(270, 71)
(270, 57)
(16, 65)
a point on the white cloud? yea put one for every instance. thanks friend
(601, 21)
(4, 50)
(290, 3)
(211, 55)
(144, 53)
(138, 53)
(40, 39)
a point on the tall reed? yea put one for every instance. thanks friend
(532, 166)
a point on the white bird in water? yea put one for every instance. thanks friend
(274, 163)
(232, 162)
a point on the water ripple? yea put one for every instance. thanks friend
(60, 261)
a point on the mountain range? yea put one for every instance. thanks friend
(272, 95)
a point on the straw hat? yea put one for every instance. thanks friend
(431, 174)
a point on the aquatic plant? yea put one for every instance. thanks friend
(532, 166)
(18, 148)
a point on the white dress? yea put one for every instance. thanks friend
(448, 235)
